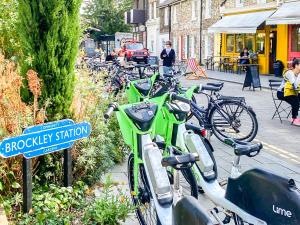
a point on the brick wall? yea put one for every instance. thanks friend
(232, 3)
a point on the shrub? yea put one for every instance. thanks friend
(49, 34)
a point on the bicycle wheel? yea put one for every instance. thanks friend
(233, 119)
(237, 220)
(145, 208)
(187, 182)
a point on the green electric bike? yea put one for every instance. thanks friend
(153, 188)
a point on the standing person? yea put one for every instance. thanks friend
(244, 56)
(289, 90)
(168, 57)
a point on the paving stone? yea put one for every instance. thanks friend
(3, 219)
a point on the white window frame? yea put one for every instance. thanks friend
(208, 5)
(194, 9)
(175, 14)
(150, 11)
(192, 46)
(154, 10)
(166, 18)
(186, 47)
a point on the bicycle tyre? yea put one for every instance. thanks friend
(226, 104)
(138, 200)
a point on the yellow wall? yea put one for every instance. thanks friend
(263, 59)
(282, 43)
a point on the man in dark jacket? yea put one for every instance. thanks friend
(168, 57)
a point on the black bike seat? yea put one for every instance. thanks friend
(189, 212)
(142, 114)
(143, 86)
(210, 88)
(244, 148)
(179, 161)
(216, 84)
(242, 99)
(141, 65)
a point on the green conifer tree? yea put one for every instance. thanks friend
(49, 34)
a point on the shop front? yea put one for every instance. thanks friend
(249, 30)
(287, 20)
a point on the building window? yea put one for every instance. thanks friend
(261, 1)
(166, 19)
(175, 14)
(194, 10)
(187, 47)
(260, 43)
(207, 9)
(192, 46)
(239, 3)
(150, 11)
(154, 10)
(239, 42)
(229, 42)
(249, 42)
(295, 39)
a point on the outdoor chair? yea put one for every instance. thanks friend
(281, 110)
(209, 63)
(196, 70)
(228, 65)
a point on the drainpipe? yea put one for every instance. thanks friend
(170, 18)
(200, 34)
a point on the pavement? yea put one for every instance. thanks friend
(281, 152)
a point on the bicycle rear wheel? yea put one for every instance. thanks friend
(145, 208)
(233, 119)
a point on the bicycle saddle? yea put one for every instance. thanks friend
(210, 88)
(179, 161)
(242, 99)
(216, 84)
(244, 148)
(142, 114)
(143, 86)
(189, 212)
(141, 65)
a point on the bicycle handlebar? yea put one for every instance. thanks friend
(173, 96)
(110, 110)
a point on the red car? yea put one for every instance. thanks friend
(134, 51)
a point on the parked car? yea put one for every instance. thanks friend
(134, 51)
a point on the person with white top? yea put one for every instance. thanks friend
(289, 90)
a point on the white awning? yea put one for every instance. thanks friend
(288, 13)
(241, 23)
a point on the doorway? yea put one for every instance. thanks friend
(272, 53)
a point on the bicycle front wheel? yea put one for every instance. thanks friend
(233, 119)
(145, 208)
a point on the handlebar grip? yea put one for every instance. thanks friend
(110, 110)
(179, 98)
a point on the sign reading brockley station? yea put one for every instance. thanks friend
(45, 139)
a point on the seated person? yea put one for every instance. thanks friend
(289, 90)
(244, 56)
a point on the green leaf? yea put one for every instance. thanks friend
(15, 185)
(1, 186)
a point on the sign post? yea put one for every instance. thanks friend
(67, 167)
(41, 140)
(27, 185)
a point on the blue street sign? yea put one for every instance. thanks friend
(44, 139)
